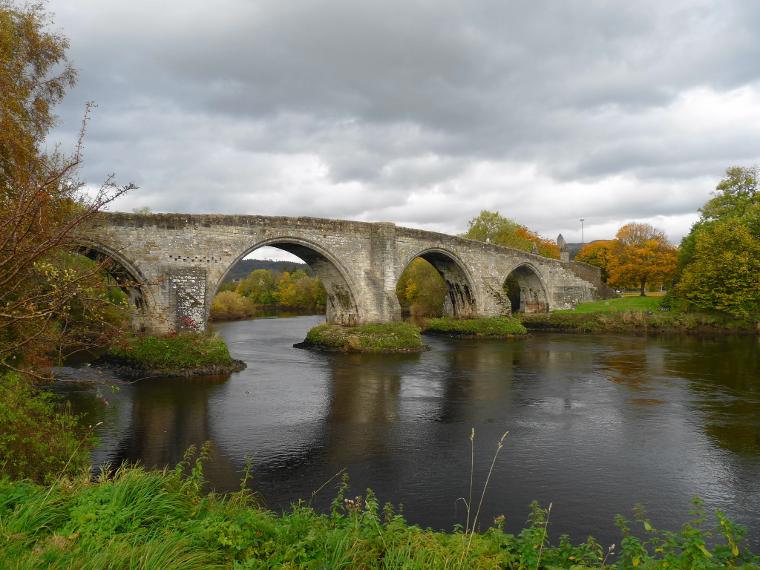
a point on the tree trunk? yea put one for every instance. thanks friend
(643, 288)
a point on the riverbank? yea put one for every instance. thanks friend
(184, 354)
(637, 323)
(269, 312)
(493, 327)
(379, 338)
(140, 519)
(638, 316)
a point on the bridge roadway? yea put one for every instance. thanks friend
(172, 265)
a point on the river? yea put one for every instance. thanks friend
(596, 424)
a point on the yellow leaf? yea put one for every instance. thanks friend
(705, 551)
(635, 561)
(647, 526)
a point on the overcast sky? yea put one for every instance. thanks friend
(420, 113)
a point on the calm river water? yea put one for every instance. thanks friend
(596, 424)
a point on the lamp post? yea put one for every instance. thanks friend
(582, 240)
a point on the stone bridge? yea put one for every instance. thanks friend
(172, 265)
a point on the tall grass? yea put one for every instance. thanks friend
(133, 518)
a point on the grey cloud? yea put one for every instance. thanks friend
(384, 110)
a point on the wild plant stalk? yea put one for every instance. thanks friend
(244, 494)
(499, 445)
(543, 536)
(610, 551)
(66, 466)
(472, 469)
(323, 485)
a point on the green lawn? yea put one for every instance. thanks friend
(619, 305)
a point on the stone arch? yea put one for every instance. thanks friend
(127, 276)
(460, 301)
(526, 290)
(341, 307)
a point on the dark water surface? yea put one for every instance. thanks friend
(597, 424)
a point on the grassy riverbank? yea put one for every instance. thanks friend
(636, 315)
(494, 327)
(630, 303)
(184, 354)
(387, 337)
(146, 520)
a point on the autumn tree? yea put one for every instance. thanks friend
(297, 290)
(41, 203)
(230, 305)
(50, 298)
(719, 261)
(641, 255)
(599, 254)
(494, 228)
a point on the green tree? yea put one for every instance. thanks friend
(735, 194)
(724, 273)
(718, 262)
(297, 290)
(260, 287)
(493, 228)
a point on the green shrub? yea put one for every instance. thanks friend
(496, 327)
(184, 350)
(386, 337)
(39, 439)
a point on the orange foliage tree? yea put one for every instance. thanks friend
(41, 200)
(598, 253)
(641, 255)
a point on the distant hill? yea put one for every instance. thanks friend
(243, 267)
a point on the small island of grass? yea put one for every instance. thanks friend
(184, 354)
(385, 337)
(487, 327)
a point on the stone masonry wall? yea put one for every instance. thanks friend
(183, 258)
